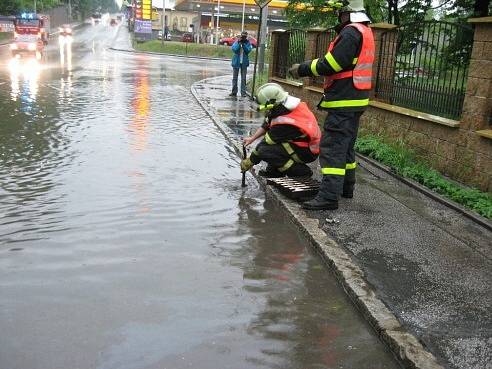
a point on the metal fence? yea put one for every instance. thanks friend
(290, 49)
(423, 66)
(322, 42)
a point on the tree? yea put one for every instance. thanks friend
(391, 11)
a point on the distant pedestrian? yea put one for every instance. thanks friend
(240, 62)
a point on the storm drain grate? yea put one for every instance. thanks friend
(295, 188)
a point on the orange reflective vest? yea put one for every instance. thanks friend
(302, 118)
(362, 72)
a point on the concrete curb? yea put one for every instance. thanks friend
(406, 347)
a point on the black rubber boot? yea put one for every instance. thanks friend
(299, 170)
(348, 195)
(348, 190)
(318, 203)
(270, 172)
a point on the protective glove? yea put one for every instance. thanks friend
(294, 71)
(246, 164)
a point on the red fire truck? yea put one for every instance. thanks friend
(31, 33)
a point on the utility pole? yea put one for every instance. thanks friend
(263, 32)
(244, 10)
(35, 7)
(163, 19)
(262, 27)
(218, 21)
(70, 10)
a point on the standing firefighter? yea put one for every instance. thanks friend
(347, 67)
(291, 133)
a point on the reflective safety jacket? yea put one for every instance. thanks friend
(362, 73)
(348, 66)
(302, 118)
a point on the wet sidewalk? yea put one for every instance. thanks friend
(428, 264)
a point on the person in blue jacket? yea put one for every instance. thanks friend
(240, 62)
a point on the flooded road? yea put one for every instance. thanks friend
(126, 240)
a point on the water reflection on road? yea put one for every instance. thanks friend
(126, 240)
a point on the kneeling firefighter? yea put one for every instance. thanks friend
(347, 67)
(291, 135)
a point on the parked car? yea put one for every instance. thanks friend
(228, 41)
(65, 30)
(187, 37)
(96, 18)
(159, 36)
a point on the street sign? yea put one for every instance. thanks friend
(143, 26)
(262, 3)
(146, 9)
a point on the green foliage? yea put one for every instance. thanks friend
(403, 162)
(314, 17)
(83, 7)
(8, 7)
(311, 17)
(86, 7)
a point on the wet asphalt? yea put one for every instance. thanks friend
(126, 240)
(428, 263)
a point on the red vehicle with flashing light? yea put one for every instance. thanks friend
(30, 35)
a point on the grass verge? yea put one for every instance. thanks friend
(261, 78)
(189, 49)
(403, 162)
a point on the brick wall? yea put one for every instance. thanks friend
(458, 149)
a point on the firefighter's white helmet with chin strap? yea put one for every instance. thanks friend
(354, 7)
(269, 95)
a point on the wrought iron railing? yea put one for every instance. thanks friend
(323, 40)
(423, 66)
(290, 48)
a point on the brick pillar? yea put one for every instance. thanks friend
(386, 57)
(310, 53)
(477, 107)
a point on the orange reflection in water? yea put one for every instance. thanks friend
(138, 130)
(141, 108)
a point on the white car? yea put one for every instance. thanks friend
(168, 36)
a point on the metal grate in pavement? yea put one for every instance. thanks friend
(295, 188)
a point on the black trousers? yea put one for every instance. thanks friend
(277, 158)
(337, 156)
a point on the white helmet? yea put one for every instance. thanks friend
(270, 94)
(354, 7)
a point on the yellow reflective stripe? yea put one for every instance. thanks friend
(268, 139)
(314, 63)
(265, 107)
(355, 61)
(334, 171)
(288, 148)
(349, 166)
(333, 63)
(291, 152)
(344, 103)
(255, 152)
(297, 159)
(286, 166)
